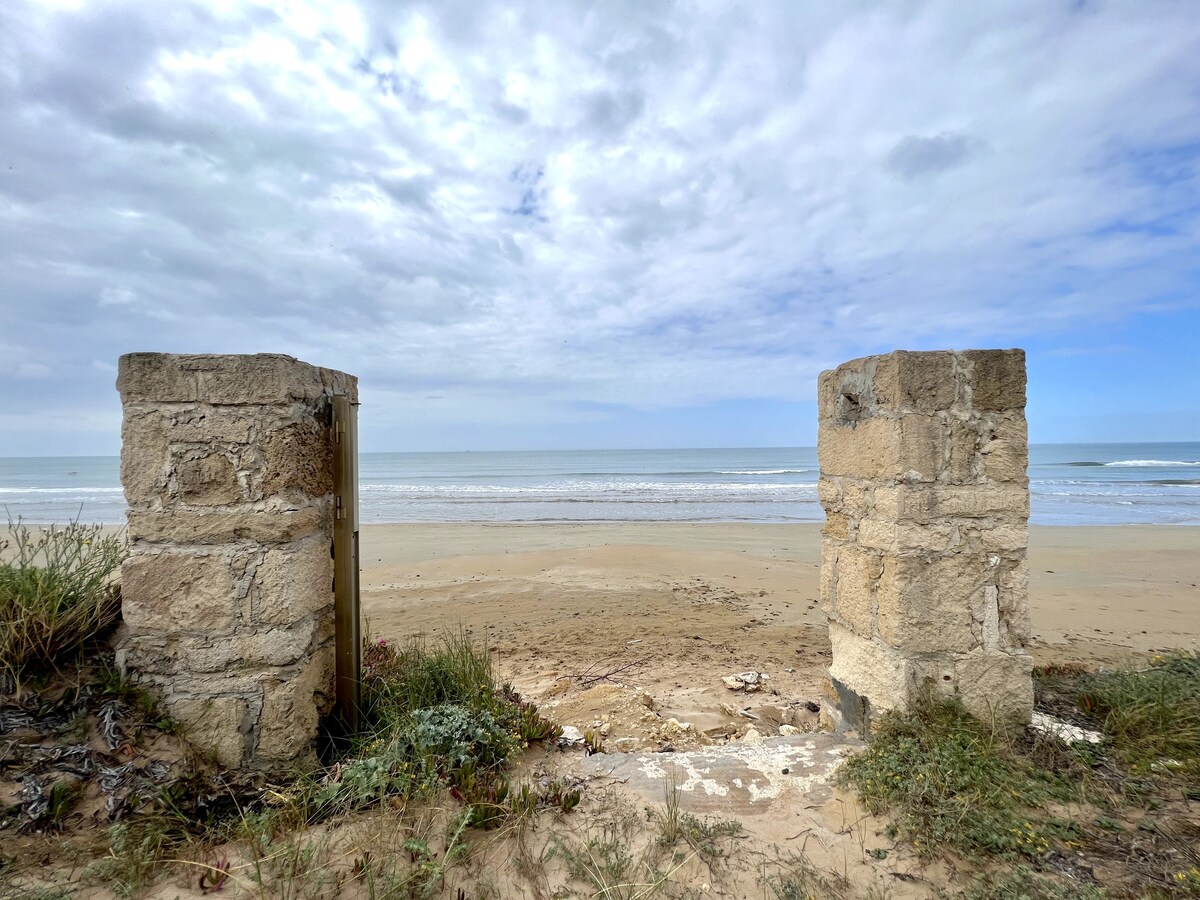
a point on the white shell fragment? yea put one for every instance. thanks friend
(746, 681)
(1064, 731)
(571, 737)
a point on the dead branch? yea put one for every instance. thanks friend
(592, 674)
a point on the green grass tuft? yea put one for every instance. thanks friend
(951, 782)
(796, 878)
(397, 680)
(436, 717)
(1022, 884)
(134, 854)
(705, 836)
(1152, 716)
(56, 595)
(952, 785)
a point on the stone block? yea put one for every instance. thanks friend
(997, 378)
(872, 670)
(178, 592)
(145, 462)
(217, 726)
(293, 706)
(263, 378)
(153, 377)
(846, 395)
(245, 683)
(280, 646)
(191, 526)
(863, 450)
(856, 498)
(206, 478)
(1004, 536)
(1013, 603)
(836, 526)
(985, 618)
(828, 574)
(994, 686)
(293, 582)
(925, 606)
(923, 503)
(962, 448)
(920, 455)
(848, 496)
(975, 501)
(906, 537)
(925, 382)
(883, 448)
(204, 423)
(184, 655)
(858, 573)
(170, 654)
(829, 492)
(297, 457)
(1005, 455)
(827, 395)
(877, 534)
(902, 502)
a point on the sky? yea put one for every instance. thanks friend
(624, 224)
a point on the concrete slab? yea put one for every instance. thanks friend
(733, 779)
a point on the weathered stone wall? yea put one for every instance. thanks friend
(227, 595)
(923, 557)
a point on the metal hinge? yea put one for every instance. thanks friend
(339, 509)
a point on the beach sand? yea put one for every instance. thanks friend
(665, 610)
(683, 604)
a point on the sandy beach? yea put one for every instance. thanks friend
(680, 605)
(625, 630)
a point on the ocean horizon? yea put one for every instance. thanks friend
(1070, 484)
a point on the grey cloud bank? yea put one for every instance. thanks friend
(518, 215)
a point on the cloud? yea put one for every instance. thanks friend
(519, 208)
(16, 363)
(117, 296)
(916, 157)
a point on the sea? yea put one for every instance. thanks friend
(1070, 484)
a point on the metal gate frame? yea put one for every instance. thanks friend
(346, 598)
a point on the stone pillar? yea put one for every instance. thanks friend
(924, 575)
(227, 600)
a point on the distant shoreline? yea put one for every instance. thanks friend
(1070, 484)
(648, 523)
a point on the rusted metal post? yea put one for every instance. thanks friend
(347, 635)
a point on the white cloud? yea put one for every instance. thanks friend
(117, 296)
(522, 206)
(18, 363)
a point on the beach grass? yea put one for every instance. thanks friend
(57, 595)
(436, 717)
(1022, 807)
(1152, 715)
(950, 781)
(441, 730)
